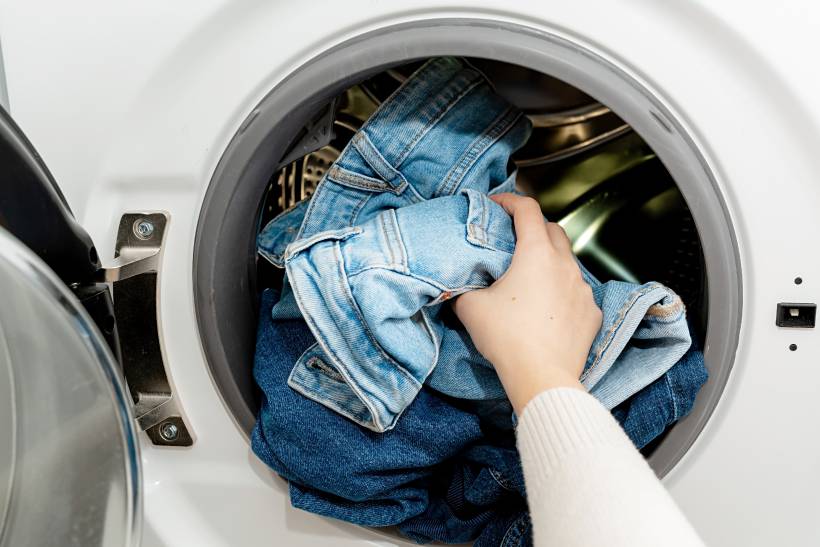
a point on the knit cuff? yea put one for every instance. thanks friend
(558, 422)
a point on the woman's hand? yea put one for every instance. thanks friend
(536, 323)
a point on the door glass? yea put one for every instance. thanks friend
(69, 462)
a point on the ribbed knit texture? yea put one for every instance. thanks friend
(586, 483)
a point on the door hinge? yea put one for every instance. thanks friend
(133, 275)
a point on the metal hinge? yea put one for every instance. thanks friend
(133, 275)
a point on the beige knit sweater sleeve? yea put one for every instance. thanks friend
(586, 483)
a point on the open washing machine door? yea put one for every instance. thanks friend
(69, 459)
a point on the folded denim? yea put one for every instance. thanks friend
(652, 410)
(447, 472)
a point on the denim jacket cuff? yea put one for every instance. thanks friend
(645, 337)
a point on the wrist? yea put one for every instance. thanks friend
(523, 383)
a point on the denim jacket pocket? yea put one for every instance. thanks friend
(357, 181)
(315, 377)
(488, 225)
(331, 235)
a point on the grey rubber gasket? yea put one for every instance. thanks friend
(4, 91)
(224, 282)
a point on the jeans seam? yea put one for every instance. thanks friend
(361, 321)
(374, 416)
(354, 215)
(408, 88)
(351, 179)
(365, 147)
(386, 228)
(491, 135)
(674, 399)
(500, 480)
(329, 371)
(471, 84)
(394, 221)
(514, 527)
(615, 325)
(319, 398)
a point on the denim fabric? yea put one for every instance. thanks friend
(478, 497)
(337, 469)
(372, 293)
(354, 474)
(665, 401)
(399, 224)
(447, 472)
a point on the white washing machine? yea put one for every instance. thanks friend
(163, 123)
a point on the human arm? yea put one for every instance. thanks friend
(586, 483)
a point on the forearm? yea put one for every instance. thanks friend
(586, 483)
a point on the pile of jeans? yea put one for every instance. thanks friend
(376, 406)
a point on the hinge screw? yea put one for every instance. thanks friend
(143, 228)
(169, 431)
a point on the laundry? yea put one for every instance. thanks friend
(376, 406)
(447, 472)
(400, 224)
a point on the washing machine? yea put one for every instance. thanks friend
(144, 144)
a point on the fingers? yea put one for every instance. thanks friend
(559, 238)
(530, 226)
(527, 218)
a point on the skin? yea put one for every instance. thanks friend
(536, 323)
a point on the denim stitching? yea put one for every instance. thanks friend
(314, 328)
(311, 205)
(516, 529)
(394, 221)
(675, 414)
(492, 134)
(461, 289)
(435, 117)
(298, 246)
(435, 107)
(374, 158)
(484, 218)
(317, 364)
(360, 317)
(297, 385)
(441, 287)
(274, 259)
(615, 325)
(502, 482)
(386, 232)
(666, 312)
(388, 108)
(355, 180)
(351, 274)
(436, 346)
(473, 236)
(354, 215)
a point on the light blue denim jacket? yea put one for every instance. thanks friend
(400, 223)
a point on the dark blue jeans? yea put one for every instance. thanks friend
(448, 471)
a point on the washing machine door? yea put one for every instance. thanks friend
(69, 457)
